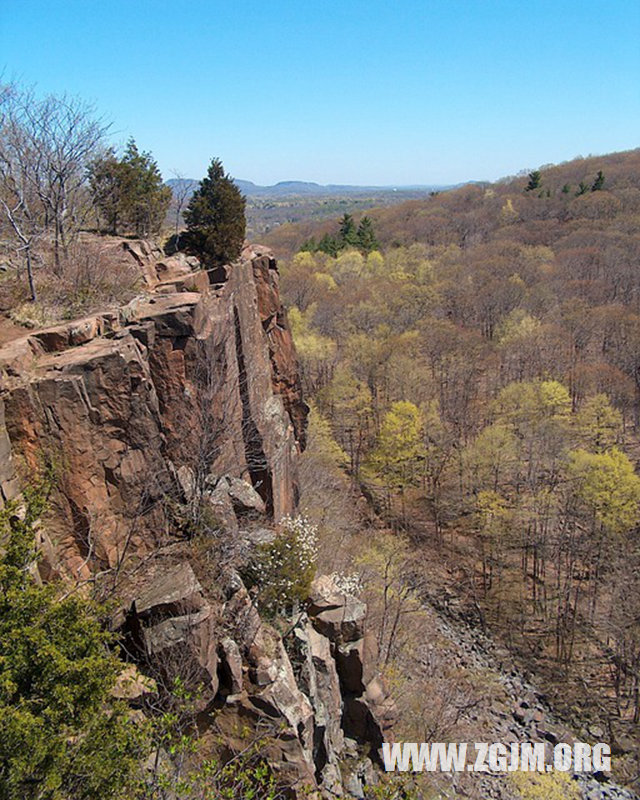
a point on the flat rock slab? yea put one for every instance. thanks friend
(172, 592)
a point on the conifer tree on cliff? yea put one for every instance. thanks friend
(215, 218)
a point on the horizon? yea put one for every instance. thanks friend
(363, 95)
(416, 186)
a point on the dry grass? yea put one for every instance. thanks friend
(94, 274)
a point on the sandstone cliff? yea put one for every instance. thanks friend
(190, 395)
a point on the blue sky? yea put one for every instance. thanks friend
(377, 92)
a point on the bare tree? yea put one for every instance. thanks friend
(182, 190)
(45, 147)
(19, 197)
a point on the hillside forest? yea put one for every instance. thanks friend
(480, 373)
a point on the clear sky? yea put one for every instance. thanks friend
(375, 92)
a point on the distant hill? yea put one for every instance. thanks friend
(476, 212)
(293, 188)
(268, 207)
(289, 188)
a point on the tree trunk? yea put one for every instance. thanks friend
(32, 286)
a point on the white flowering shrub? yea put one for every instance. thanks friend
(282, 570)
(348, 584)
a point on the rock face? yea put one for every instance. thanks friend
(124, 401)
(188, 399)
(304, 694)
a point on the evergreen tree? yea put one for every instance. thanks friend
(582, 188)
(535, 179)
(366, 237)
(329, 244)
(128, 192)
(144, 199)
(106, 183)
(215, 217)
(347, 234)
(599, 182)
(310, 246)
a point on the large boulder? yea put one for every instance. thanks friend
(175, 267)
(339, 617)
(244, 498)
(171, 626)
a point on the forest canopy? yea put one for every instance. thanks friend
(481, 371)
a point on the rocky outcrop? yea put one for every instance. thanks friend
(125, 400)
(317, 728)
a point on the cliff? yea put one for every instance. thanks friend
(122, 400)
(183, 406)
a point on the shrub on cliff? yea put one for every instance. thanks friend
(282, 570)
(61, 733)
(215, 218)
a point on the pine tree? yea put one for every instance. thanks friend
(347, 235)
(215, 217)
(582, 188)
(309, 246)
(535, 180)
(599, 182)
(329, 244)
(106, 185)
(366, 237)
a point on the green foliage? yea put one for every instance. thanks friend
(325, 446)
(599, 424)
(608, 486)
(518, 326)
(106, 182)
(348, 265)
(282, 570)
(329, 244)
(583, 188)
(491, 458)
(512, 324)
(545, 786)
(309, 246)
(62, 737)
(399, 447)
(395, 787)
(599, 182)
(528, 405)
(245, 777)
(535, 180)
(348, 403)
(194, 770)
(362, 238)
(366, 238)
(314, 350)
(215, 218)
(347, 234)
(493, 514)
(128, 191)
